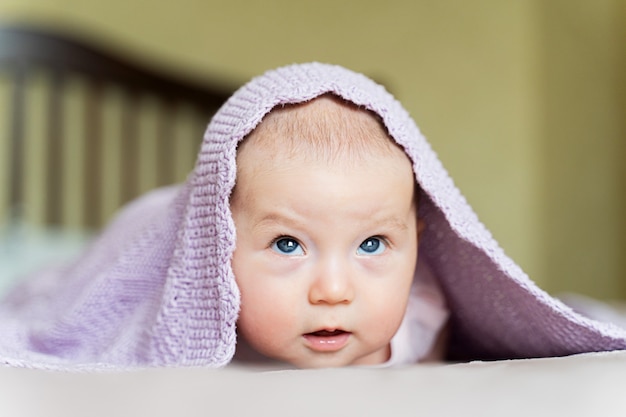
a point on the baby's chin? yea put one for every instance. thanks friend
(326, 363)
(334, 360)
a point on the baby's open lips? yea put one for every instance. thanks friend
(327, 340)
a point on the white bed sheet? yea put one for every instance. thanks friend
(581, 385)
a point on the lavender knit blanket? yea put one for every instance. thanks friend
(156, 288)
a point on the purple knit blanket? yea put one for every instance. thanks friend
(156, 288)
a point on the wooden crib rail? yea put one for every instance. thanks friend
(85, 130)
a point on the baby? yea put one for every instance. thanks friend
(325, 209)
(296, 239)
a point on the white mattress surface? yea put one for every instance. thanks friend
(582, 385)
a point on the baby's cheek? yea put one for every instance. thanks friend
(387, 313)
(265, 310)
(267, 326)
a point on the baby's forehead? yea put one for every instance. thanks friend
(327, 127)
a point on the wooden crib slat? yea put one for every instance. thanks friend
(147, 142)
(17, 143)
(129, 154)
(74, 143)
(35, 162)
(110, 168)
(186, 143)
(6, 164)
(53, 180)
(165, 144)
(93, 155)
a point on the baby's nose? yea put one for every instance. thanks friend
(332, 284)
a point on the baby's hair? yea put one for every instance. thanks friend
(331, 136)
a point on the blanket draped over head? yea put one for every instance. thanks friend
(156, 288)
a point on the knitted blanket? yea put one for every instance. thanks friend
(156, 288)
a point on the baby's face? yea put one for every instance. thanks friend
(325, 255)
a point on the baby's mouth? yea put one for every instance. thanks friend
(327, 340)
(327, 333)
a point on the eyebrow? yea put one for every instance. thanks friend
(391, 221)
(274, 217)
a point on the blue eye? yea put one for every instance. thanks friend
(371, 246)
(287, 246)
